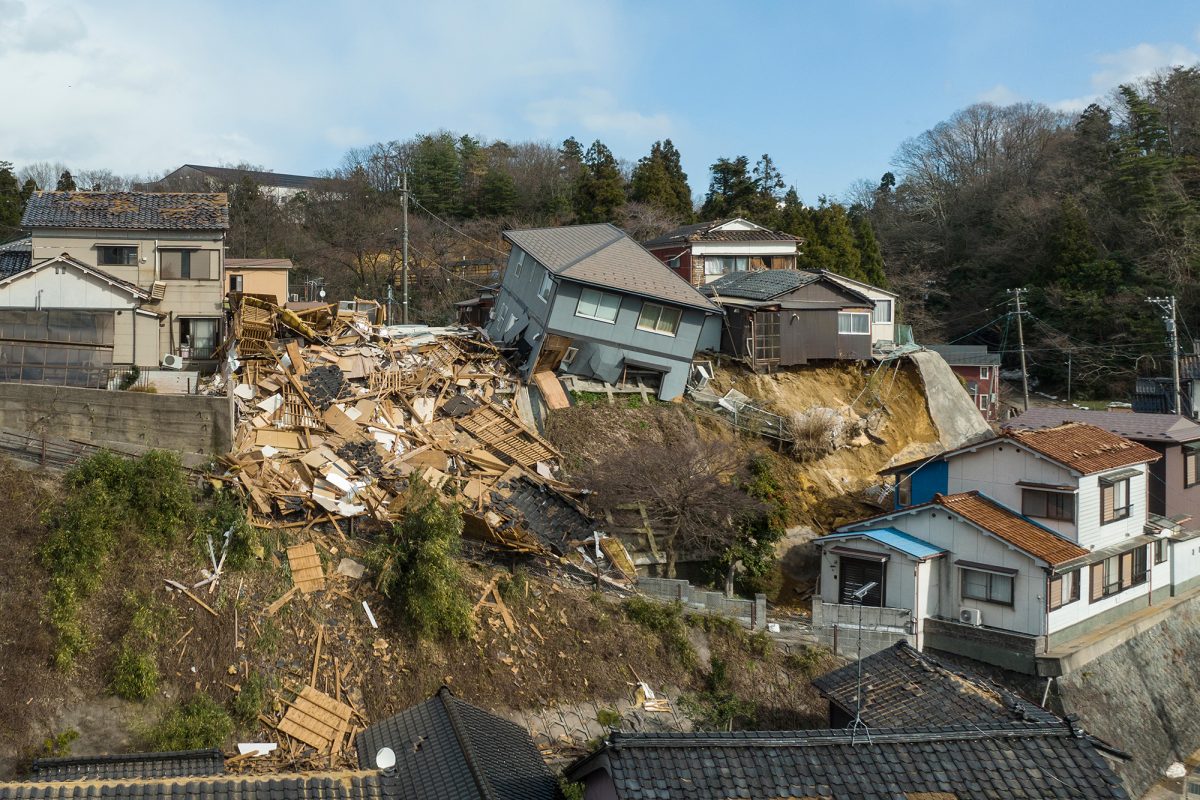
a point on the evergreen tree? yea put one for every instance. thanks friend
(473, 166)
(11, 204)
(436, 174)
(1142, 152)
(497, 193)
(768, 193)
(599, 189)
(65, 182)
(870, 258)
(832, 245)
(731, 190)
(27, 190)
(659, 181)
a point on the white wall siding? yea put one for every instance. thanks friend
(1094, 535)
(899, 579)
(994, 471)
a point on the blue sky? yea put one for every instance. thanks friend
(828, 89)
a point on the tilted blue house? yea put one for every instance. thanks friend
(587, 300)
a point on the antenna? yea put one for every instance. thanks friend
(860, 594)
(385, 759)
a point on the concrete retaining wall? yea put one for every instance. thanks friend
(194, 426)
(754, 611)
(1002, 648)
(1141, 696)
(839, 628)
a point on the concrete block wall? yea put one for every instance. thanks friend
(197, 427)
(671, 589)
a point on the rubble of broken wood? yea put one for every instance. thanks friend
(338, 414)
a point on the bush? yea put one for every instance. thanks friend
(417, 567)
(129, 379)
(59, 745)
(666, 621)
(226, 513)
(813, 432)
(609, 718)
(249, 702)
(512, 587)
(717, 708)
(135, 674)
(194, 725)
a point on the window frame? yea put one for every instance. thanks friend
(990, 595)
(1191, 458)
(1119, 512)
(130, 250)
(547, 287)
(1071, 595)
(1114, 578)
(904, 490)
(653, 328)
(1029, 494)
(850, 315)
(1164, 546)
(887, 303)
(600, 295)
(985, 373)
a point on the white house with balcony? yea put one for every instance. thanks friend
(1032, 540)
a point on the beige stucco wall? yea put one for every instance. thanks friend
(257, 280)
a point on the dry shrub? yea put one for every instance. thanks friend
(814, 432)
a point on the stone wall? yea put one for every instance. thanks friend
(132, 422)
(1142, 697)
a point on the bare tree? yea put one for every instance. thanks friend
(691, 491)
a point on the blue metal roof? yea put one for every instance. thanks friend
(892, 539)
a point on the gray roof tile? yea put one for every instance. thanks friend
(134, 765)
(1138, 427)
(200, 211)
(16, 256)
(604, 256)
(905, 688)
(705, 232)
(446, 747)
(760, 284)
(967, 762)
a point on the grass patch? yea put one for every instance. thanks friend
(717, 707)
(512, 588)
(135, 674)
(609, 718)
(251, 699)
(199, 723)
(58, 745)
(666, 621)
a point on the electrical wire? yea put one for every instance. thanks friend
(456, 230)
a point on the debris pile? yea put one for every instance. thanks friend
(337, 414)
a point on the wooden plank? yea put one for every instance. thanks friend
(552, 390)
(306, 567)
(281, 602)
(316, 719)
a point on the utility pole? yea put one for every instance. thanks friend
(1168, 308)
(404, 253)
(1016, 293)
(1069, 376)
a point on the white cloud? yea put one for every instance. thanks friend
(1000, 95)
(596, 112)
(1127, 66)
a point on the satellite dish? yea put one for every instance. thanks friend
(323, 297)
(385, 759)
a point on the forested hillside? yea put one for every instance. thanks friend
(1092, 212)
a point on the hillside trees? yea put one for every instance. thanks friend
(599, 186)
(12, 203)
(659, 180)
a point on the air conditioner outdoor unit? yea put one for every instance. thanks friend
(971, 616)
(172, 361)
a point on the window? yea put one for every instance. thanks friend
(197, 337)
(599, 305)
(1160, 550)
(883, 311)
(856, 573)
(1063, 589)
(1114, 500)
(1048, 505)
(182, 265)
(518, 262)
(720, 265)
(984, 402)
(990, 587)
(659, 319)
(984, 372)
(856, 322)
(547, 286)
(111, 256)
(673, 262)
(1191, 466)
(766, 336)
(236, 282)
(1118, 573)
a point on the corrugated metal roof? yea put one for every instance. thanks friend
(1010, 526)
(208, 211)
(603, 255)
(1139, 427)
(259, 263)
(1084, 448)
(893, 539)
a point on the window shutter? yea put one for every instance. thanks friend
(1106, 502)
(1126, 570)
(1056, 598)
(1096, 589)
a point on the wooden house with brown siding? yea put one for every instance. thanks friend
(706, 251)
(787, 317)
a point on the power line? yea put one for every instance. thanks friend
(417, 203)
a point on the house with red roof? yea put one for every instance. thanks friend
(1012, 551)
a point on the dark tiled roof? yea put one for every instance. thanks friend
(903, 688)
(549, 515)
(1139, 427)
(965, 355)
(709, 232)
(446, 747)
(1010, 526)
(195, 211)
(357, 785)
(279, 179)
(968, 762)
(760, 284)
(604, 256)
(135, 765)
(1084, 448)
(16, 256)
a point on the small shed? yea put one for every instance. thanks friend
(788, 317)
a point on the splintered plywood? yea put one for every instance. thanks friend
(551, 390)
(306, 567)
(316, 719)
